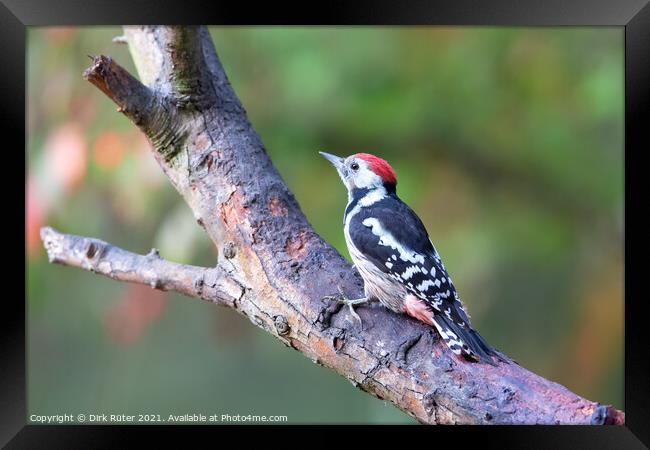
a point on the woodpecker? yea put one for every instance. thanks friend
(400, 267)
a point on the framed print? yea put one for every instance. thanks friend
(322, 185)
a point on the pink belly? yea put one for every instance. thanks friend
(415, 307)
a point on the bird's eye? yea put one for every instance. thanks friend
(354, 166)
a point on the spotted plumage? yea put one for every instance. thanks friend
(400, 267)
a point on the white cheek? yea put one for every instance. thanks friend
(366, 178)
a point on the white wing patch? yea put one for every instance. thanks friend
(453, 342)
(388, 240)
(408, 273)
(426, 284)
(370, 198)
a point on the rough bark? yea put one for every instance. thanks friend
(273, 268)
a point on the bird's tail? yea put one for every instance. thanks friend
(467, 341)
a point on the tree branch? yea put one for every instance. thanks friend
(186, 72)
(181, 71)
(133, 98)
(212, 284)
(151, 111)
(279, 269)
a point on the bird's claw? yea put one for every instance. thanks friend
(354, 314)
(337, 298)
(346, 301)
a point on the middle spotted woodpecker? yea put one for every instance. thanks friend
(400, 267)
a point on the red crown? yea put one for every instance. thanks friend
(380, 167)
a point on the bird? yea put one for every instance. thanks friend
(391, 249)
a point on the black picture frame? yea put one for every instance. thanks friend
(633, 15)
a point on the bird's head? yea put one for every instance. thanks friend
(363, 171)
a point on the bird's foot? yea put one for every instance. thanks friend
(350, 302)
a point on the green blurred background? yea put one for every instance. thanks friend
(507, 141)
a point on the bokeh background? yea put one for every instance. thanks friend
(507, 141)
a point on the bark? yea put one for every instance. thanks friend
(273, 268)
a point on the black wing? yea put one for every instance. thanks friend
(395, 240)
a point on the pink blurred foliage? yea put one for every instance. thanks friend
(83, 109)
(35, 215)
(65, 156)
(150, 176)
(108, 150)
(64, 170)
(135, 311)
(59, 35)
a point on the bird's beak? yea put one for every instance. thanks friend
(336, 161)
